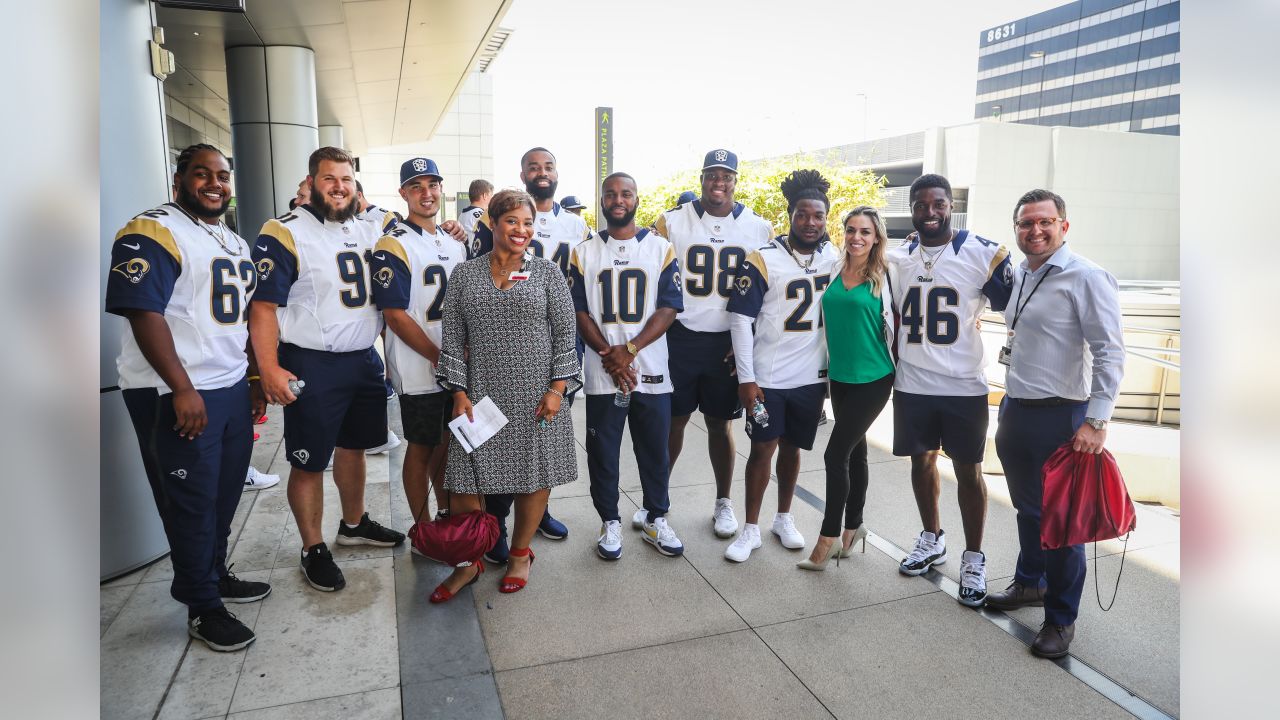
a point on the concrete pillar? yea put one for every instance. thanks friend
(331, 136)
(273, 127)
(132, 145)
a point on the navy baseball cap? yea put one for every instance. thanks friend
(419, 167)
(720, 159)
(687, 196)
(571, 202)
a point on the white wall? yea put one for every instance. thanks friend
(462, 147)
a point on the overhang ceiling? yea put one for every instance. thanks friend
(386, 70)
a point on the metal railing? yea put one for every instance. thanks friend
(1147, 353)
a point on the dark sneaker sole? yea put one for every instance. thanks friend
(220, 648)
(342, 582)
(723, 536)
(1050, 656)
(659, 548)
(246, 599)
(972, 602)
(604, 556)
(918, 571)
(551, 536)
(493, 561)
(349, 540)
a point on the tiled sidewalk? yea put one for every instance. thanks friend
(694, 637)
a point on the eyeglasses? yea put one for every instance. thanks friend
(1042, 223)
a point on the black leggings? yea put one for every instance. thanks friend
(856, 406)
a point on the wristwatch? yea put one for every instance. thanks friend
(1096, 424)
(631, 348)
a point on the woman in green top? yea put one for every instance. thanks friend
(859, 334)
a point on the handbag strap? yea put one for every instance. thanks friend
(1096, 587)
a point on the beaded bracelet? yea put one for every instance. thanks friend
(556, 392)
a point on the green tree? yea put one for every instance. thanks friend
(758, 189)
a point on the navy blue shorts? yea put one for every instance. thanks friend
(344, 404)
(793, 415)
(702, 378)
(956, 423)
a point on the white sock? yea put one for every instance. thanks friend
(350, 526)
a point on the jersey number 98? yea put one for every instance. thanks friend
(706, 270)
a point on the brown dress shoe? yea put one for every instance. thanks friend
(1053, 641)
(1016, 596)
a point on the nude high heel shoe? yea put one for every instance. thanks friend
(859, 534)
(833, 552)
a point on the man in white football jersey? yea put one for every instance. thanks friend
(183, 280)
(410, 270)
(572, 204)
(939, 286)
(556, 232)
(780, 351)
(478, 194)
(312, 320)
(712, 236)
(626, 291)
(382, 218)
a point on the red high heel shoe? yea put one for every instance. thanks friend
(442, 594)
(514, 584)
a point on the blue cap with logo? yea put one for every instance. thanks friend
(571, 202)
(720, 158)
(686, 196)
(419, 167)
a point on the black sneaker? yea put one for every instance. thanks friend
(320, 570)
(500, 552)
(234, 590)
(220, 630)
(368, 532)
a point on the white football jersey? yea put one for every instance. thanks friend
(939, 345)
(316, 271)
(784, 298)
(381, 218)
(621, 283)
(163, 261)
(555, 234)
(410, 271)
(469, 219)
(710, 250)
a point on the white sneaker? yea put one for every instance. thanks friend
(973, 579)
(258, 481)
(609, 546)
(391, 443)
(658, 534)
(784, 526)
(739, 550)
(929, 551)
(723, 520)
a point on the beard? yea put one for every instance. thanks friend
(320, 202)
(540, 193)
(800, 243)
(195, 204)
(944, 230)
(623, 221)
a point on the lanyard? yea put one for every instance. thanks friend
(1017, 311)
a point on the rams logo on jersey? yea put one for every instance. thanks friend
(383, 277)
(675, 279)
(133, 269)
(744, 284)
(1008, 274)
(265, 266)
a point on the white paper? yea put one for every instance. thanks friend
(488, 421)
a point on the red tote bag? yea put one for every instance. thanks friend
(1084, 499)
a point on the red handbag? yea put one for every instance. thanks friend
(455, 539)
(1084, 499)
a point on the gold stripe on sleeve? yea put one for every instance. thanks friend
(1000, 255)
(151, 228)
(393, 246)
(276, 229)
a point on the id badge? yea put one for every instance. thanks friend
(1006, 353)
(517, 275)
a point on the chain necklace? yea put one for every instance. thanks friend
(930, 258)
(221, 237)
(804, 265)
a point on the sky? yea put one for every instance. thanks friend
(759, 78)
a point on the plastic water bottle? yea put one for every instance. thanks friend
(622, 398)
(760, 414)
(295, 387)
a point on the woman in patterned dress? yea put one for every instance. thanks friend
(509, 331)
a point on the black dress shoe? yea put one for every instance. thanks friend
(1053, 641)
(1016, 596)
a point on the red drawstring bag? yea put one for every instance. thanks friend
(1084, 499)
